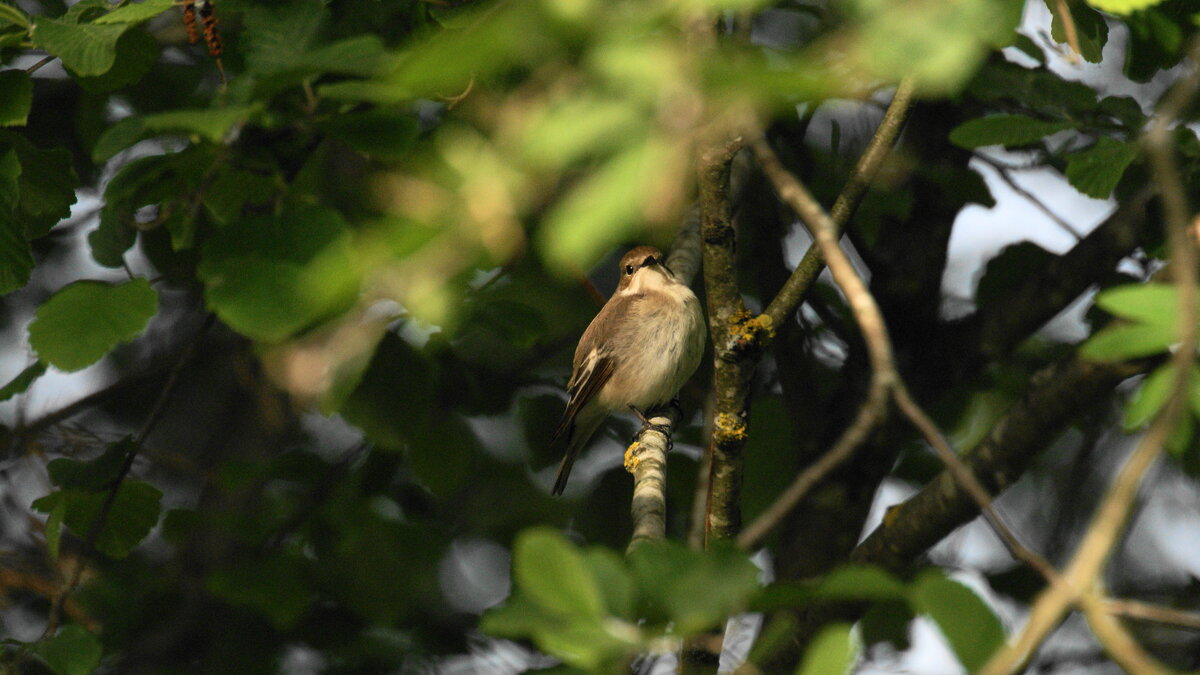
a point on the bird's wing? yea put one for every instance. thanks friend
(594, 363)
(588, 378)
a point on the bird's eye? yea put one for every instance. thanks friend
(629, 269)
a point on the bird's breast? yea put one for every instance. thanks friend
(659, 349)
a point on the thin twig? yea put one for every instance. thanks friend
(1005, 174)
(797, 285)
(1064, 15)
(1119, 644)
(969, 483)
(37, 66)
(1163, 616)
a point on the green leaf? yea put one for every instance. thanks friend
(16, 258)
(553, 573)
(614, 581)
(970, 626)
(73, 651)
(46, 184)
(1007, 271)
(87, 48)
(1150, 397)
(93, 475)
(133, 513)
(137, 53)
(269, 277)
(275, 587)
(278, 34)
(1151, 303)
(232, 189)
(1008, 130)
(20, 383)
(53, 529)
(852, 582)
(1096, 171)
(84, 320)
(1127, 341)
(694, 590)
(10, 183)
(604, 209)
(831, 652)
(1122, 6)
(16, 96)
(136, 12)
(211, 124)
(13, 16)
(379, 134)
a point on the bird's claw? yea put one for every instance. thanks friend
(647, 425)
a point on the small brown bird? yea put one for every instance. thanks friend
(639, 350)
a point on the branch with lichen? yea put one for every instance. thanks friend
(646, 459)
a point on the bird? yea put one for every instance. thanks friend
(637, 352)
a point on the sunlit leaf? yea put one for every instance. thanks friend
(1127, 341)
(552, 572)
(831, 652)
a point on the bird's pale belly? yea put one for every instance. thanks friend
(665, 353)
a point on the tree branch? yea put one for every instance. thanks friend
(646, 459)
(793, 292)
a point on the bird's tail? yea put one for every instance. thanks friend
(578, 433)
(564, 470)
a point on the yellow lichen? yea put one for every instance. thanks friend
(729, 428)
(631, 458)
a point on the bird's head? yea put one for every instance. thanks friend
(643, 265)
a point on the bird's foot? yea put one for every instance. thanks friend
(647, 425)
(631, 458)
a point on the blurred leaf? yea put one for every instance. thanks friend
(603, 209)
(694, 590)
(136, 12)
(852, 582)
(275, 587)
(770, 455)
(85, 320)
(378, 134)
(232, 189)
(278, 34)
(268, 277)
(614, 581)
(73, 651)
(1155, 41)
(20, 384)
(568, 131)
(831, 652)
(1007, 130)
(211, 124)
(1151, 303)
(1096, 171)
(1122, 6)
(970, 626)
(887, 622)
(134, 512)
(553, 573)
(16, 259)
(16, 96)
(938, 43)
(1149, 398)
(87, 49)
(1127, 341)
(93, 475)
